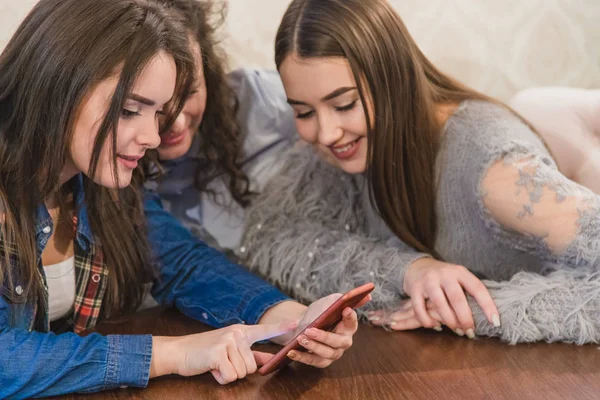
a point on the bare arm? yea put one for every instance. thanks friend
(569, 121)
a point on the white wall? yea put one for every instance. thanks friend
(498, 46)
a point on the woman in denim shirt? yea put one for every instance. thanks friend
(82, 86)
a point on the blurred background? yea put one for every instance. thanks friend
(496, 46)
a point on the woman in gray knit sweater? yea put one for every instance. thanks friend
(421, 185)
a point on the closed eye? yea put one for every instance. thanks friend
(347, 107)
(127, 114)
(304, 115)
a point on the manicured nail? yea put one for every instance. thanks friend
(459, 332)
(470, 334)
(311, 333)
(303, 340)
(437, 328)
(496, 320)
(291, 354)
(374, 318)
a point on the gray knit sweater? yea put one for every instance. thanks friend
(504, 211)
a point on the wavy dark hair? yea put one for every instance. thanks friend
(219, 132)
(58, 55)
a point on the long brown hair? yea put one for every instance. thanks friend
(60, 52)
(404, 139)
(219, 133)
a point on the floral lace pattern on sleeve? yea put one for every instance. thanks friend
(525, 196)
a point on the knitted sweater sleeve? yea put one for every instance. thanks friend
(528, 203)
(304, 234)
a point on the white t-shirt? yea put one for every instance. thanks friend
(60, 279)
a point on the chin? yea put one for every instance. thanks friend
(354, 167)
(172, 152)
(109, 181)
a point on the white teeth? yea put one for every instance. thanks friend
(343, 149)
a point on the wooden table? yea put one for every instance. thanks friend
(387, 365)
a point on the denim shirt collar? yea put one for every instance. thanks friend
(84, 236)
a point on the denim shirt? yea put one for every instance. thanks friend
(198, 280)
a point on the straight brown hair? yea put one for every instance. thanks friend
(405, 89)
(59, 53)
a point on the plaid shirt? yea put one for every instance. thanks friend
(90, 285)
(90, 270)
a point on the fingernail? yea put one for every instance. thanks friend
(459, 332)
(303, 340)
(374, 318)
(291, 354)
(437, 328)
(496, 320)
(310, 332)
(470, 334)
(393, 323)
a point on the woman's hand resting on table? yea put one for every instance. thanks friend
(437, 297)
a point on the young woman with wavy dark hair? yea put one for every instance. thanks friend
(84, 86)
(224, 145)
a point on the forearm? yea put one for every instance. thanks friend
(50, 364)
(562, 306)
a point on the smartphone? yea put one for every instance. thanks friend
(326, 321)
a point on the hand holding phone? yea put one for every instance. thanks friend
(326, 321)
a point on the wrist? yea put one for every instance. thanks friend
(408, 274)
(164, 352)
(283, 312)
(286, 311)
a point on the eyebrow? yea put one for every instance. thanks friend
(142, 99)
(330, 96)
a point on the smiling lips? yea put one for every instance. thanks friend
(173, 138)
(130, 162)
(346, 151)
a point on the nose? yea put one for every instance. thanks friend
(330, 131)
(180, 123)
(148, 136)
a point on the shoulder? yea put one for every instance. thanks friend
(257, 84)
(481, 132)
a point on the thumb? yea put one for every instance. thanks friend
(261, 358)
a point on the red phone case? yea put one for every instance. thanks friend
(326, 321)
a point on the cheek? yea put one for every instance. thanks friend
(356, 122)
(195, 107)
(308, 130)
(81, 147)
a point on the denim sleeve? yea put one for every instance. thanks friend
(35, 364)
(200, 281)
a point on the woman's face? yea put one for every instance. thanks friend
(329, 112)
(137, 130)
(177, 141)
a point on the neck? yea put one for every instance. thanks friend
(444, 111)
(68, 172)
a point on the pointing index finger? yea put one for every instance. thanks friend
(257, 333)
